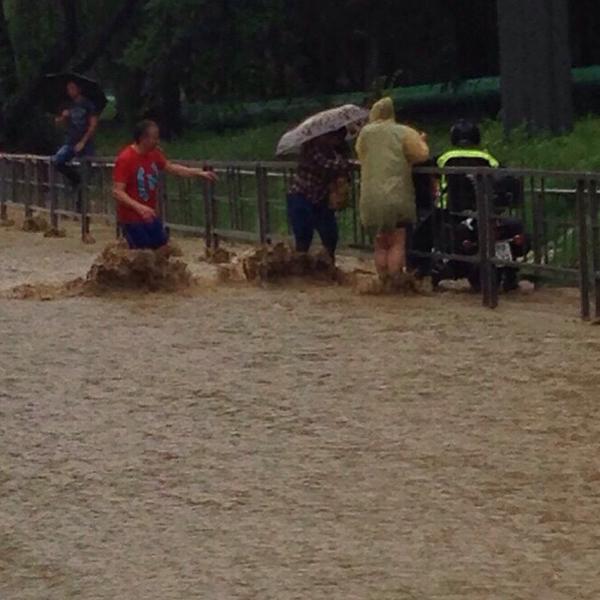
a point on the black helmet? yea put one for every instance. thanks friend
(465, 133)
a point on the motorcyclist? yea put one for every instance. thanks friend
(444, 221)
(457, 192)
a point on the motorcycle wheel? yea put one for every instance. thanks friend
(436, 279)
(510, 280)
(475, 281)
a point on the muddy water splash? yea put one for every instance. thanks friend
(120, 268)
(117, 269)
(278, 262)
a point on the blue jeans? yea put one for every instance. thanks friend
(306, 218)
(65, 155)
(145, 236)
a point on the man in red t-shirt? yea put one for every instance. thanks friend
(135, 187)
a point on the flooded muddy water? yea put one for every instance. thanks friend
(292, 441)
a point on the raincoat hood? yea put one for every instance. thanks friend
(383, 110)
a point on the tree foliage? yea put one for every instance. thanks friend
(158, 55)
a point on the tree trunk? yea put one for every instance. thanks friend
(476, 48)
(69, 8)
(535, 65)
(120, 19)
(371, 60)
(169, 116)
(372, 47)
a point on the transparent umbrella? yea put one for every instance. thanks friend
(350, 116)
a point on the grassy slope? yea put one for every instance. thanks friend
(243, 144)
(579, 150)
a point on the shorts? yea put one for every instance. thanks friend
(373, 232)
(145, 236)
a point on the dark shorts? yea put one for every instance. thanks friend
(145, 236)
(306, 218)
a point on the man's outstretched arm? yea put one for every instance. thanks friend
(182, 171)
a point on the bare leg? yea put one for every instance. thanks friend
(397, 253)
(381, 255)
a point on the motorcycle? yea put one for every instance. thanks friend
(442, 231)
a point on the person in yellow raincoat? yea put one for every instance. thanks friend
(386, 151)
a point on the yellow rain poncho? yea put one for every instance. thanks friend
(387, 151)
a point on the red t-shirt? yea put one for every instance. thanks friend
(140, 174)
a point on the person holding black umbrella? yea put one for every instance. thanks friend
(81, 120)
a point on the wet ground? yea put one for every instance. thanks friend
(292, 441)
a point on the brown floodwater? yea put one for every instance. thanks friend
(292, 441)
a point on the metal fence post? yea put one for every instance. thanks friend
(3, 182)
(53, 196)
(162, 198)
(37, 193)
(595, 226)
(13, 182)
(584, 266)
(537, 220)
(491, 238)
(239, 189)
(262, 205)
(28, 188)
(208, 215)
(484, 241)
(229, 182)
(84, 193)
(162, 202)
(214, 211)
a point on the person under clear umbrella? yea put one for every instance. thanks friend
(323, 161)
(320, 185)
(387, 151)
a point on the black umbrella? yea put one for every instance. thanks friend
(55, 91)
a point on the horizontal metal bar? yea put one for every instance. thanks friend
(238, 235)
(535, 267)
(185, 228)
(474, 260)
(111, 219)
(287, 165)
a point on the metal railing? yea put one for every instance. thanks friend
(560, 210)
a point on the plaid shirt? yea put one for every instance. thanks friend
(317, 169)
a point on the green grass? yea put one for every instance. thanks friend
(458, 98)
(244, 144)
(580, 150)
(577, 151)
